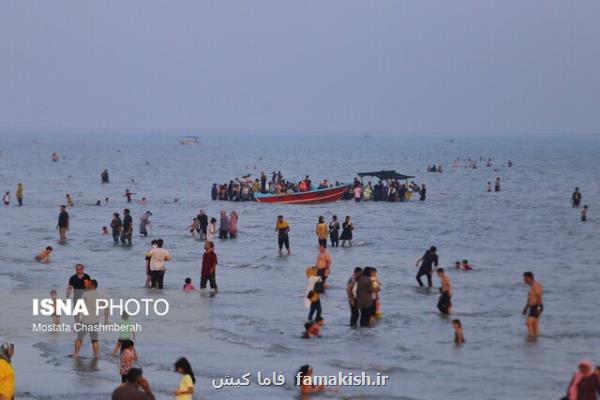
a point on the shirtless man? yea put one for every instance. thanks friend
(323, 262)
(444, 303)
(534, 304)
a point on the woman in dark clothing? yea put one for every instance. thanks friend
(334, 232)
(347, 228)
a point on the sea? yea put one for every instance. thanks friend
(254, 324)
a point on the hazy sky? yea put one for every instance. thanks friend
(401, 66)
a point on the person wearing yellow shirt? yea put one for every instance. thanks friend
(7, 373)
(283, 228)
(19, 194)
(185, 390)
(322, 231)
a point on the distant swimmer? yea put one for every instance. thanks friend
(429, 259)
(465, 266)
(459, 337)
(105, 231)
(283, 229)
(584, 213)
(534, 305)
(19, 194)
(444, 302)
(44, 256)
(63, 223)
(6, 199)
(54, 157)
(142, 202)
(576, 198)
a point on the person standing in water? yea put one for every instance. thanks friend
(91, 320)
(497, 184)
(351, 292)
(534, 305)
(209, 267)
(63, 223)
(347, 228)
(6, 199)
(127, 230)
(576, 198)
(116, 225)
(224, 226)
(334, 232)
(213, 192)
(429, 259)
(158, 259)
(144, 222)
(584, 213)
(283, 228)
(444, 302)
(19, 194)
(203, 223)
(104, 176)
(128, 195)
(322, 232)
(70, 201)
(323, 263)
(423, 193)
(233, 219)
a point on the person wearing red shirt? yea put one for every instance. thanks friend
(209, 267)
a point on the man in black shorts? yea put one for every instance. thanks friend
(429, 259)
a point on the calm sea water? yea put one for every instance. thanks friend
(256, 320)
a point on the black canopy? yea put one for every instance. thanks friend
(383, 175)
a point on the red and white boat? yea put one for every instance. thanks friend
(311, 197)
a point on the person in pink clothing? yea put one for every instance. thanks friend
(233, 219)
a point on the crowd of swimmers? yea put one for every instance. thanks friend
(363, 289)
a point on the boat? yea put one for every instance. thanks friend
(189, 140)
(311, 197)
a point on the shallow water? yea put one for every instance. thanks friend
(256, 320)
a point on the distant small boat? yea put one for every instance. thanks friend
(311, 197)
(189, 140)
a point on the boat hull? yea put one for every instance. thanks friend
(313, 197)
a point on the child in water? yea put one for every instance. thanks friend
(584, 213)
(44, 256)
(465, 265)
(188, 380)
(105, 230)
(459, 337)
(126, 334)
(188, 287)
(313, 329)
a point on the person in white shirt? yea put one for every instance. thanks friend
(158, 259)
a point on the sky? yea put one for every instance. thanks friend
(485, 66)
